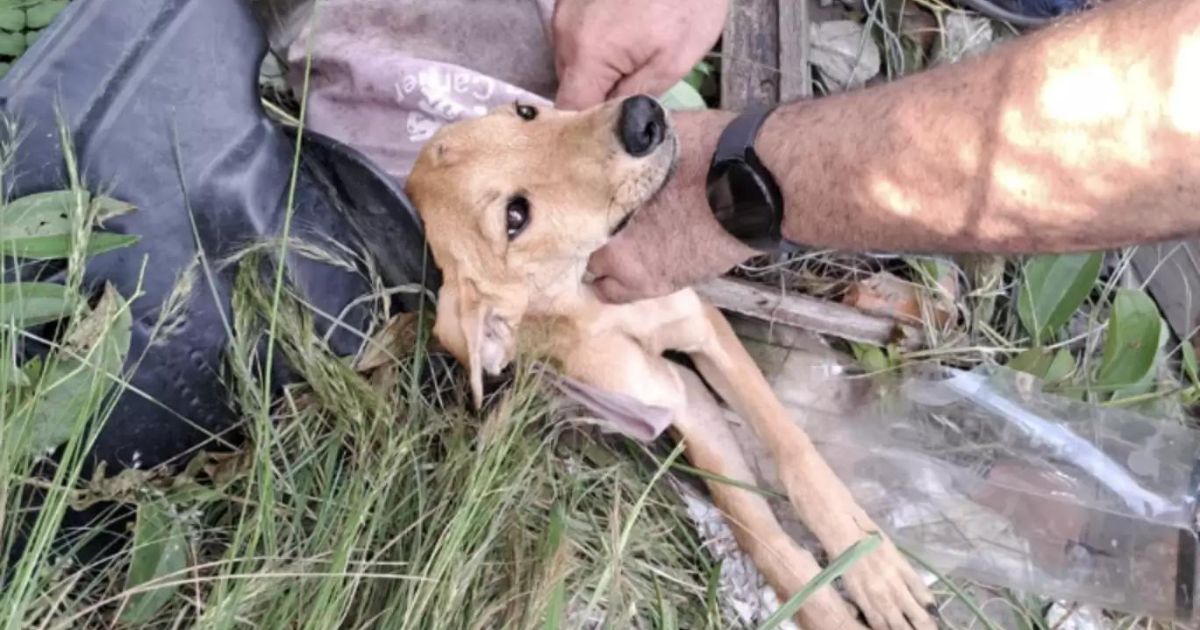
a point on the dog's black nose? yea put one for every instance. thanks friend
(641, 126)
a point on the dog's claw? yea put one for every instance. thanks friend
(883, 584)
(888, 591)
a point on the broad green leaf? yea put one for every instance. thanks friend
(1050, 367)
(1131, 344)
(41, 214)
(870, 357)
(12, 19)
(1052, 288)
(1032, 361)
(1150, 379)
(839, 566)
(54, 412)
(70, 389)
(699, 72)
(39, 226)
(12, 44)
(43, 13)
(33, 369)
(54, 247)
(1142, 386)
(28, 304)
(159, 552)
(1061, 367)
(683, 96)
(12, 377)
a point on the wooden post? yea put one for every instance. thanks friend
(795, 78)
(750, 54)
(765, 54)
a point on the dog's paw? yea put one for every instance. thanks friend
(889, 592)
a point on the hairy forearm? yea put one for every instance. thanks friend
(1082, 136)
(1085, 135)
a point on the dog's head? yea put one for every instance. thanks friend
(514, 203)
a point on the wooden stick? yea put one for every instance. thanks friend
(797, 311)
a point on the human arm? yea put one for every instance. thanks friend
(1082, 136)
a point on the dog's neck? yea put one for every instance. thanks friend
(573, 300)
(563, 293)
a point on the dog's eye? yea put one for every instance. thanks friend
(516, 216)
(527, 112)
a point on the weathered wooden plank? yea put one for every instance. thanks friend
(829, 318)
(795, 77)
(750, 54)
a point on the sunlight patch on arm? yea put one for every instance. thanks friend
(1085, 95)
(1184, 101)
(1018, 182)
(889, 195)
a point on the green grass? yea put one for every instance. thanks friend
(387, 509)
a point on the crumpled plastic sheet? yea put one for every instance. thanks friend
(987, 477)
(845, 54)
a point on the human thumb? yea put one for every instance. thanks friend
(613, 291)
(651, 79)
(618, 277)
(581, 87)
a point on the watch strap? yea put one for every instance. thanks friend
(741, 133)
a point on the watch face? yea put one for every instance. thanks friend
(742, 204)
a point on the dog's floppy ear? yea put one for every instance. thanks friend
(471, 328)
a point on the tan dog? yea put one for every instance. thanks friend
(513, 205)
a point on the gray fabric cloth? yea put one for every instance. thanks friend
(613, 412)
(386, 74)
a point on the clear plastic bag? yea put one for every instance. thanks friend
(985, 475)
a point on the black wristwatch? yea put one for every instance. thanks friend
(742, 193)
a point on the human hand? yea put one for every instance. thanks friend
(614, 48)
(674, 241)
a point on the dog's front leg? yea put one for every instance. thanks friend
(883, 584)
(710, 446)
(618, 363)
